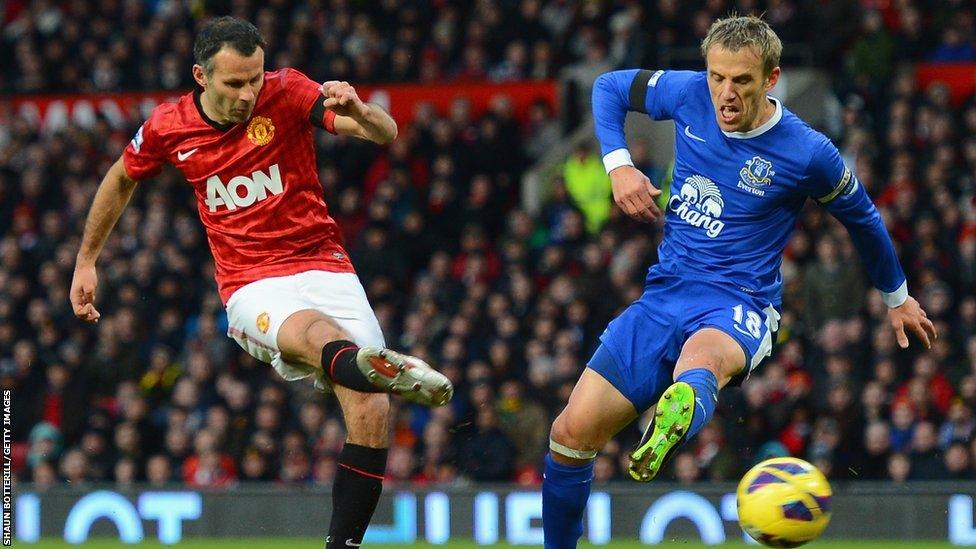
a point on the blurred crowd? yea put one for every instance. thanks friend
(110, 45)
(507, 303)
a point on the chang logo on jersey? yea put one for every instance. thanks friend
(243, 191)
(699, 203)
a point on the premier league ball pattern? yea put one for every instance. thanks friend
(783, 502)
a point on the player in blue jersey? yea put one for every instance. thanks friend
(744, 166)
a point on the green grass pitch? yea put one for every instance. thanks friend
(313, 543)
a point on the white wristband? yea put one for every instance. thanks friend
(614, 159)
(897, 297)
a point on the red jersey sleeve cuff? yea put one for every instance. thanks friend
(329, 121)
(321, 117)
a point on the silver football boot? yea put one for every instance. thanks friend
(404, 375)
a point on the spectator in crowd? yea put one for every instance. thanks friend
(958, 463)
(955, 47)
(588, 185)
(927, 463)
(542, 131)
(158, 470)
(877, 451)
(686, 471)
(524, 421)
(873, 53)
(488, 455)
(832, 286)
(74, 468)
(959, 425)
(899, 467)
(712, 455)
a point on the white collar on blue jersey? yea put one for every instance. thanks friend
(757, 131)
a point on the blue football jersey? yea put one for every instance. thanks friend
(735, 196)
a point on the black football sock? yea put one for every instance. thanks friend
(339, 365)
(357, 488)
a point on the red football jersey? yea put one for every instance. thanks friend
(256, 183)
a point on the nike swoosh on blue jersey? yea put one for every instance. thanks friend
(691, 135)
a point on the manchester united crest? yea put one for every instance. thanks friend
(264, 322)
(260, 130)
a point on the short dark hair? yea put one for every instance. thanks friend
(237, 33)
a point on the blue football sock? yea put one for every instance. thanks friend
(565, 489)
(705, 385)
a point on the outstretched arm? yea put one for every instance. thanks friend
(871, 239)
(111, 198)
(356, 118)
(846, 199)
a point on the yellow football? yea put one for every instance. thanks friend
(783, 502)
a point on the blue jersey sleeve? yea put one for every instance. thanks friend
(835, 187)
(657, 94)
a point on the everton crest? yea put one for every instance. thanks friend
(757, 172)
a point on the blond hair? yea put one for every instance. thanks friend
(745, 31)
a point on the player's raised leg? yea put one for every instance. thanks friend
(314, 339)
(596, 412)
(708, 360)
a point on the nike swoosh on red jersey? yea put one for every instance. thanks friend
(183, 156)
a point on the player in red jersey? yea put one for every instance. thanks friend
(243, 140)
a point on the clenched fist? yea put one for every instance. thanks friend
(342, 99)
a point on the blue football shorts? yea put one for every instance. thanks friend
(639, 349)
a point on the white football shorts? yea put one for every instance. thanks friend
(256, 311)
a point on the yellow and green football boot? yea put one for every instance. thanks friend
(672, 419)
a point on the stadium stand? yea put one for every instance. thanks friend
(508, 304)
